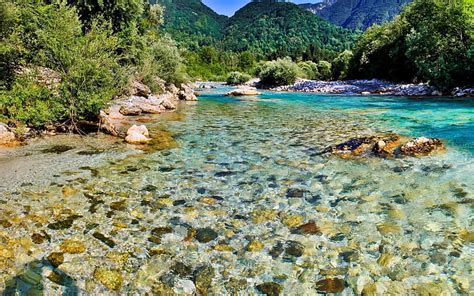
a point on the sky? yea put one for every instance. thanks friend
(228, 7)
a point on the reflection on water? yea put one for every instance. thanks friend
(237, 199)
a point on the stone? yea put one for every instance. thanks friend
(421, 146)
(7, 137)
(307, 228)
(243, 91)
(157, 234)
(294, 249)
(331, 285)
(72, 247)
(255, 246)
(138, 88)
(106, 125)
(269, 289)
(205, 235)
(63, 224)
(277, 250)
(137, 135)
(141, 129)
(38, 238)
(56, 259)
(107, 241)
(130, 110)
(296, 193)
(186, 93)
(203, 277)
(181, 269)
(111, 279)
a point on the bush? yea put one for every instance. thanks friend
(94, 64)
(324, 69)
(236, 78)
(340, 65)
(309, 70)
(279, 72)
(31, 103)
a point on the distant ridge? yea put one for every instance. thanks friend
(357, 14)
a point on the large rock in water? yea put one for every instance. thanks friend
(421, 146)
(7, 137)
(243, 91)
(390, 145)
(137, 135)
(186, 93)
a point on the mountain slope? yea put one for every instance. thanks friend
(360, 14)
(282, 28)
(192, 21)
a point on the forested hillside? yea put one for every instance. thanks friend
(360, 14)
(192, 22)
(282, 29)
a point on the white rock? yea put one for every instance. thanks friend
(141, 129)
(6, 136)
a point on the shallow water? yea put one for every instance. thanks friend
(214, 204)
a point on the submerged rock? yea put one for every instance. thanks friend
(308, 228)
(391, 145)
(72, 247)
(56, 259)
(205, 235)
(111, 279)
(203, 277)
(269, 289)
(331, 285)
(421, 146)
(186, 93)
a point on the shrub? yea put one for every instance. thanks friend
(309, 70)
(236, 78)
(31, 103)
(279, 72)
(340, 65)
(324, 69)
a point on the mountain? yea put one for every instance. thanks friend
(358, 14)
(317, 7)
(192, 21)
(282, 28)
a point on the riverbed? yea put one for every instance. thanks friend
(234, 197)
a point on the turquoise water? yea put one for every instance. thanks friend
(233, 197)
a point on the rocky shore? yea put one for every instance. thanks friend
(118, 118)
(369, 87)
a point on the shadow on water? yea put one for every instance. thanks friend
(30, 280)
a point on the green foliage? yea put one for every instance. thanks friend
(430, 41)
(282, 29)
(191, 22)
(30, 103)
(325, 70)
(211, 63)
(237, 78)
(92, 65)
(309, 70)
(279, 72)
(340, 65)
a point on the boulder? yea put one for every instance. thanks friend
(137, 135)
(421, 146)
(390, 145)
(130, 109)
(186, 93)
(106, 125)
(7, 137)
(243, 91)
(137, 88)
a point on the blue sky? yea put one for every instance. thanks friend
(228, 7)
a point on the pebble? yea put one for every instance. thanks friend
(72, 247)
(205, 235)
(111, 279)
(56, 259)
(255, 246)
(308, 228)
(269, 289)
(331, 285)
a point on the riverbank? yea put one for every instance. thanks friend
(365, 87)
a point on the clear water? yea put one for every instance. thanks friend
(249, 170)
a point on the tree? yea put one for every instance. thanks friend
(340, 65)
